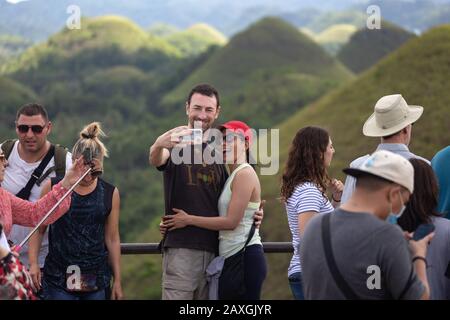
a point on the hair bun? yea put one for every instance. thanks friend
(91, 131)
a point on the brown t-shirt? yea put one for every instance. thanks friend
(194, 188)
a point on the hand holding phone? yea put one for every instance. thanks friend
(195, 136)
(423, 230)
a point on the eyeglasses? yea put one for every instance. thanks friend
(230, 137)
(23, 128)
(96, 174)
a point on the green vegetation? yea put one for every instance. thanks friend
(419, 71)
(196, 39)
(11, 46)
(270, 67)
(334, 37)
(366, 47)
(163, 29)
(111, 37)
(328, 19)
(135, 84)
(12, 95)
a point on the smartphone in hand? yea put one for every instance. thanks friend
(87, 155)
(422, 231)
(195, 136)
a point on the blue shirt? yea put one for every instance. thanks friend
(441, 166)
(398, 148)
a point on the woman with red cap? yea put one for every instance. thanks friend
(240, 198)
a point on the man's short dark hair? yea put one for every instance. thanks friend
(32, 109)
(396, 133)
(205, 90)
(370, 182)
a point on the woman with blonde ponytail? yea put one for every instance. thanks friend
(84, 247)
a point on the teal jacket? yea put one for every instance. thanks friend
(441, 166)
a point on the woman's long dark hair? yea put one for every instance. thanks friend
(305, 162)
(422, 204)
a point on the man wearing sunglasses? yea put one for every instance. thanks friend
(32, 159)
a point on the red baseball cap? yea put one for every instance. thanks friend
(239, 127)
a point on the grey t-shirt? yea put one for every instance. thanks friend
(361, 243)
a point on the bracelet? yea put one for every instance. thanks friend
(420, 258)
(335, 199)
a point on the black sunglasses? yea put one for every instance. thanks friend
(23, 128)
(97, 173)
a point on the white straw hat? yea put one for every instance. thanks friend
(391, 115)
(389, 166)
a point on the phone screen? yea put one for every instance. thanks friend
(195, 136)
(423, 230)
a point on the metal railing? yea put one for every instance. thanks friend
(152, 248)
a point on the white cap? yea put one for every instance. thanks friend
(389, 166)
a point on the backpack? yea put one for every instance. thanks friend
(60, 158)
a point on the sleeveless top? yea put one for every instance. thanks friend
(231, 241)
(78, 239)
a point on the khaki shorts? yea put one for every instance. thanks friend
(184, 274)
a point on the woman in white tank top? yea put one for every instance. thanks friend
(240, 198)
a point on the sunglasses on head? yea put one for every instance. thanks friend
(23, 128)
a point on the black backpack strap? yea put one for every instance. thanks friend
(7, 147)
(60, 164)
(55, 180)
(26, 191)
(337, 276)
(60, 160)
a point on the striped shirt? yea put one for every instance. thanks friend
(306, 197)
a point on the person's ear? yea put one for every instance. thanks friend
(217, 112)
(247, 144)
(405, 129)
(187, 108)
(394, 192)
(49, 127)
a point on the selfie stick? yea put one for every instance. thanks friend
(19, 247)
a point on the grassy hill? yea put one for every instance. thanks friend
(265, 72)
(325, 20)
(196, 39)
(334, 37)
(366, 47)
(419, 70)
(417, 15)
(12, 94)
(11, 46)
(162, 30)
(111, 36)
(109, 71)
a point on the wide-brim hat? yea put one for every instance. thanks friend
(391, 114)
